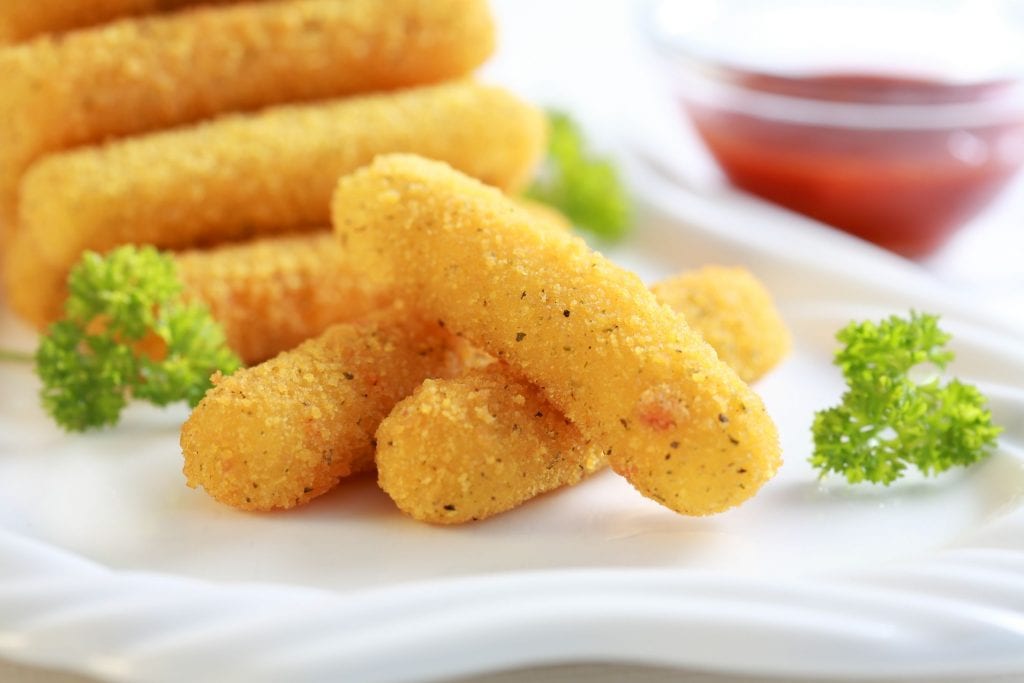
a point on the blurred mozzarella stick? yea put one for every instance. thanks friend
(677, 422)
(278, 434)
(476, 445)
(24, 19)
(240, 176)
(272, 293)
(733, 312)
(151, 73)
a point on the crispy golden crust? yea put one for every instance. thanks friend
(266, 173)
(471, 447)
(23, 19)
(273, 293)
(681, 426)
(281, 433)
(140, 75)
(734, 313)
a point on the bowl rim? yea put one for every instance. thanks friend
(725, 85)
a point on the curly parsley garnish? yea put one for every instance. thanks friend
(127, 332)
(888, 419)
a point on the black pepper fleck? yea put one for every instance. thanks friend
(520, 336)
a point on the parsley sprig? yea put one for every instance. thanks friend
(583, 186)
(127, 332)
(888, 418)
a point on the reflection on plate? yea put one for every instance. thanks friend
(109, 565)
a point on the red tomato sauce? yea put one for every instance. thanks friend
(904, 189)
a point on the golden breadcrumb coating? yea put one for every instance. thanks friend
(23, 19)
(733, 312)
(271, 172)
(473, 446)
(151, 73)
(281, 433)
(272, 293)
(627, 370)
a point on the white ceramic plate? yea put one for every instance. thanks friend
(110, 566)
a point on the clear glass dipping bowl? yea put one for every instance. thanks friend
(896, 121)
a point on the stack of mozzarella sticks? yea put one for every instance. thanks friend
(229, 123)
(459, 340)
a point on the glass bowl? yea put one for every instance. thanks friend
(896, 121)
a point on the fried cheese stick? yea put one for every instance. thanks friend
(24, 19)
(677, 422)
(146, 74)
(469, 447)
(273, 293)
(733, 312)
(278, 434)
(265, 173)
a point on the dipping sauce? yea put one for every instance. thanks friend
(904, 181)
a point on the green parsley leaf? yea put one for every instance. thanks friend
(585, 187)
(888, 419)
(127, 332)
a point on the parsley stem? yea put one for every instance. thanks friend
(8, 356)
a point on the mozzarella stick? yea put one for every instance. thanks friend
(23, 19)
(152, 73)
(278, 434)
(253, 175)
(273, 293)
(473, 446)
(733, 312)
(679, 424)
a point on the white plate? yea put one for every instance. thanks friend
(110, 566)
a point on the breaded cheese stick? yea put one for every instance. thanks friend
(281, 433)
(628, 371)
(24, 19)
(151, 73)
(271, 294)
(472, 446)
(271, 172)
(733, 312)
